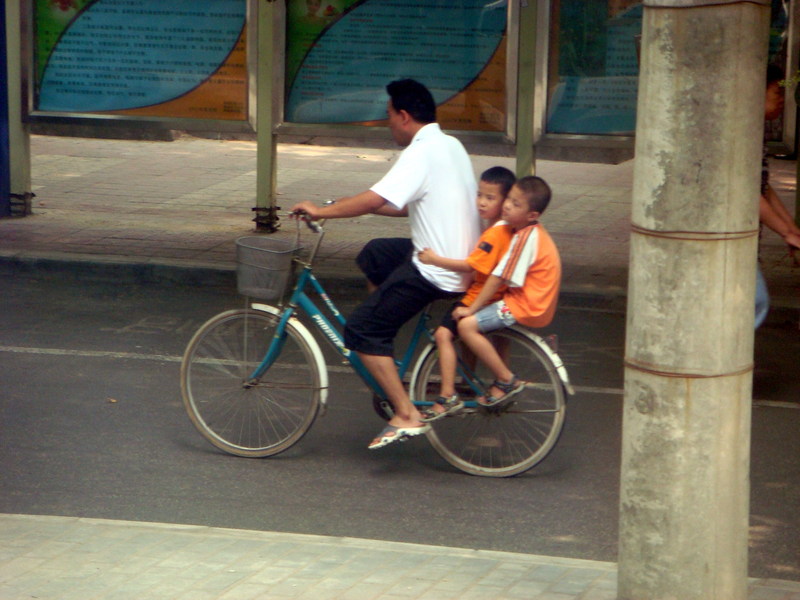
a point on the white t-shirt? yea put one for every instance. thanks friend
(433, 176)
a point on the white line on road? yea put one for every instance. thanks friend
(584, 389)
(90, 353)
(109, 354)
(331, 368)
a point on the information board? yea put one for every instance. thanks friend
(596, 90)
(176, 59)
(340, 54)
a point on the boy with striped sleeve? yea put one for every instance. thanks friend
(531, 270)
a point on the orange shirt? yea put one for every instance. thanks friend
(491, 247)
(532, 269)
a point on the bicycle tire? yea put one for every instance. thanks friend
(499, 441)
(258, 421)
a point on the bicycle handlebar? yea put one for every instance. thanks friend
(315, 226)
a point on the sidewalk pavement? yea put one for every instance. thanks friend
(167, 210)
(67, 558)
(170, 212)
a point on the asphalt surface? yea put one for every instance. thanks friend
(167, 213)
(100, 432)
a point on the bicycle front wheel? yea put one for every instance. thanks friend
(499, 441)
(241, 417)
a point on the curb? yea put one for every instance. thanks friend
(119, 271)
(337, 279)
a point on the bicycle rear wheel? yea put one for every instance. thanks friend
(499, 441)
(253, 420)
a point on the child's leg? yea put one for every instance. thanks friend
(484, 350)
(448, 402)
(469, 358)
(472, 330)
(447, 361)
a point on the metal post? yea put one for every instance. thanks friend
(19, 148)
(5, 169)
(525, 89)
(684, 499)
(266, 140)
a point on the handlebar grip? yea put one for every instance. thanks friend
(315, 226)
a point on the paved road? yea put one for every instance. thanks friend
(93, 426)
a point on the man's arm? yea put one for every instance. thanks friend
(350, 206)
(774, 215)
(388, 210)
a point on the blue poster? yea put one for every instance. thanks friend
(117, 54)
(441, 43)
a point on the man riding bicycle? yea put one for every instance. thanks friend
(432, 182)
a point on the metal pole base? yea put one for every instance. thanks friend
(266, 218)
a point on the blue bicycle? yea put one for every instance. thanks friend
(253, 380)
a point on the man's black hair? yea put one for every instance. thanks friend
(500, 176)
(414, 98)
(537, 192)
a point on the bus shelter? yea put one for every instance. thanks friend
(553, 79)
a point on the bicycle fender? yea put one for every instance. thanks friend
(429, 347)
(557, 362)
(312, 343)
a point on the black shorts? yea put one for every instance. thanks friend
(448, 322)
(379, 257)
(373, 326)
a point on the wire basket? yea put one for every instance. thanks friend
(263, 266)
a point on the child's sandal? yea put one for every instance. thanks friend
(451, 405)
(515, 386)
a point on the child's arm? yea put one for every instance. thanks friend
(429, 257)
(489, 289)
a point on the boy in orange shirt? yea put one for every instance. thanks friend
(493, 187)
(531, 272)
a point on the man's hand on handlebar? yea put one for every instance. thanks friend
(305, 209)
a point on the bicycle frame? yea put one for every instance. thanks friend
(302, 302)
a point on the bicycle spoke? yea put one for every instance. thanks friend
(504, 440)
(258, 419)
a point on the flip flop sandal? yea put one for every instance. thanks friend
(451, 405)
(390, 434)
(515, 386)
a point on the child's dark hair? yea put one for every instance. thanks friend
(499, 176)
(536, 190)
(414, 98)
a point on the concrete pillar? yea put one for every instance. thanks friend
(688, 369)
